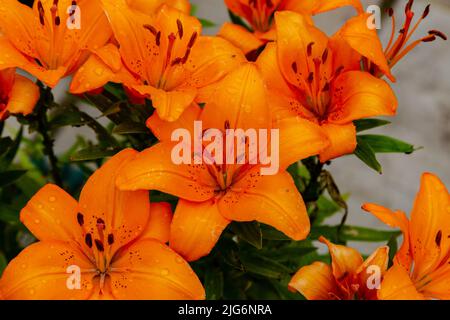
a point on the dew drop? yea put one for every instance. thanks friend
(164, 272)
(52, 199)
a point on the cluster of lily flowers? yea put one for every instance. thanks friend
(281, 72)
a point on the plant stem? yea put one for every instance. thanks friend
(41, 110)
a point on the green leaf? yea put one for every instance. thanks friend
(94, 153)
(3, 262)
(288, 253)
(238, 20)
(249, 232)
(393, 247)
(366, 154)
(263, 266)
(9, 214)
(7, 158)
(5, 144)
(367, 124)
(385, 144)
(326, 209)
(66, 117)
(214, 284)
(352, 233)
(269, 233)
(8, 177)
(131, 128)
(207, 23)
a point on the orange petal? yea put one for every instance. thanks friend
(430, 226)
(153, 169)
(163, 129)
(103, 66)
(240, 37)
(240, 100)
(51, 214)
(312, 7)
(365, 41)
(342, 140)
(238, 8)
(299, 139)
(206, 69)
(169, 104)
(397, 285)
(273, 200)
(111, 216)
(315, 282)
(17, 24)
(196, 228)
(379, 258)
(393, 219)
(361, 95)
(23, 96)
(345, 261)
(152, 7)
(39, 272)
(437, 284)
(295, 35)
(153, 271)
(158, 226)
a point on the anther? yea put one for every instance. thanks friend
(311, 77)
(41, 13)
(390, 12)
(110, 239)
(180, 29)
(158, 38)
(100, 224)
(99, 245)
(192, 40)
(152, 29)
(88, 240)
(426, 12)
(294, 67)
(80, 219)
(309, 48)
(438, 33)
(325, 55)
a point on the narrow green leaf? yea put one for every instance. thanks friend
(249, 232)
(365, 153)
(5, 144)
(9, 214)
(263, 266)
(270, 233)
(8, 177)
(214, 284)
(353, 233)
(3, 262)
(66, 117)
(238, 20)
(385, 144)
(9, 155)
(207, 23)
(94, 153)
(131, 128)
(367, 124)
(393, 247)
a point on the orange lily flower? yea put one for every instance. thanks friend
(422, 265)
(153, 6)
(166, 60)
(115, 238)
(367, 49)
(347, 279)
(213, 195)
(18, 94)
(259, 15)
(308, 77)
(44, 42)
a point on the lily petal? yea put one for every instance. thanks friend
(358, 95)
(315, 282)
(158, 226)
(240, 37)
(312, 7)
(154, 271)
(397, 285)
(342, 140)
(270, 199)
(51, 214)
(24, 96)
(196, 228)
(153, 169)
(40, 272)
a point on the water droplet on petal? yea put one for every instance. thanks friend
(164, 272)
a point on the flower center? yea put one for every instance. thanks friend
(261, 12)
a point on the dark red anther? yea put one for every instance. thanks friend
(151, 28)
(438, 33)
(431, 38)
(294, 67)
(110, 239)
(100, 224)
(99, 245)
(80, 219)
(325, 56)
(390, 12)
(269, 3)
(180, 28)
(326, 87)
(309, 48)
(192, 40)
(426, 11)
(311, 77)
(88, 240)
(57, 20)
(409, 6)
(158, 38)
(227, 124)
(41, 13)
(438, 238)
